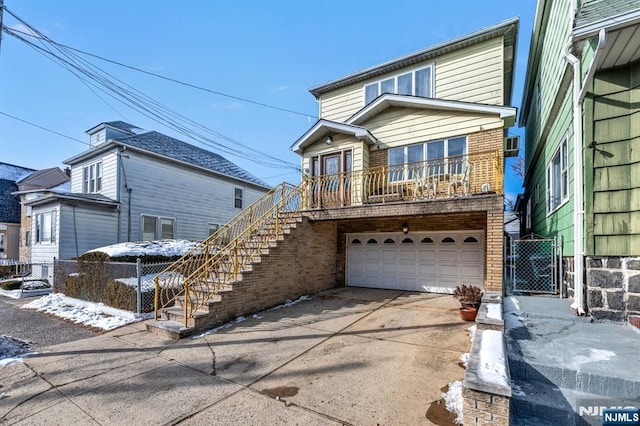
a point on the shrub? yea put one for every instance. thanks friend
(82, 287)
(7, 270)
(468, 294)
(11, 285)
(123, 296)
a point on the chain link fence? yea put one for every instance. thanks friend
(28, 278)
(533, 266)
(123, 285)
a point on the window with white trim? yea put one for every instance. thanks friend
(238, 198)
(157, 228)
(536, 194)
(435, 150)
(46, 227)
(212, 228)
(92, 178)
(528, 216)
(418, 82)
(558, 178)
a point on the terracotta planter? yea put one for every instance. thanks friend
(468, 313)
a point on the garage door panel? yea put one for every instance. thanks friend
(422, 263)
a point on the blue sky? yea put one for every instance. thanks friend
(270, 52)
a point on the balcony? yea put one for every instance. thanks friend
(437, 179)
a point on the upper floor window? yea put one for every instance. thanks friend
(212, 228)
(238, 198)
(46, 227)
(437, 153)
(417, 83)
(558, 178)
(157, 228)
(92, 178)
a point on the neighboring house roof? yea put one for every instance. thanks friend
(52, 196)
(323, 128)
(173, 150)
(9, 203)
(389, 100)
(508, 29)
(511, 223)
(43, 179)
(14, 173)
(599, 11)
(120, 125)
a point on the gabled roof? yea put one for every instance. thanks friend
(43, 179)
(172, 149)
(508, 29)
(389, 100)
(324, 127)
(595, 13)
(14, 173)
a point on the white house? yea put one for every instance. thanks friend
(137, 185)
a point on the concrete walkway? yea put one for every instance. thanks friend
(348, 356)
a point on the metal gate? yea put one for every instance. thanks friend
(534, 266)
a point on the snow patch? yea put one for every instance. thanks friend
(494, 311)
(149, 248)
(453, 400)
(464, 358)
(13, 350)
(595, 355)
(492, 364)
(472, 332)
(517, 390)
(14, 173)
(82, 312)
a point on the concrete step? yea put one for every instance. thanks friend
(169, 329)
(176, 314)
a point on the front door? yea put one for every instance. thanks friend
(331, 188)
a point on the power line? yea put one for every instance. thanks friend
(44, 128)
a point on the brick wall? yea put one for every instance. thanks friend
(481, 408)
(24, 252)
(378, 158)
(304, 263)
(489, 140)
(613, 287)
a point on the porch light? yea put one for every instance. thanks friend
(329, 140)
(405, 228)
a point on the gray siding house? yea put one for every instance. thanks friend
(137, 185)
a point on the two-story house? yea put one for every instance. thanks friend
(136, 185)
(582, 167)
(407, 161)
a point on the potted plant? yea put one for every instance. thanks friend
(469, 297)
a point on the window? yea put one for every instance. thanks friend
(536, 194)
(46, 227)
(237, 197)
(527, 223)
(212, 228)
(557, 178)
(416, 83)
(92, 178)
(434, 150)
(157, 228)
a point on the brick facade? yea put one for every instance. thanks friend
(378, 158)
(481, 408)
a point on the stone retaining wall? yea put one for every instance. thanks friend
(613, 287)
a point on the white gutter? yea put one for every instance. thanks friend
(579, 93)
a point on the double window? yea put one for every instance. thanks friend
(46, 227)
(558, 178)
(417, 83)
(92, 178)
(157, 228)
(443, 156)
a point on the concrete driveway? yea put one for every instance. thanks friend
(348, 356)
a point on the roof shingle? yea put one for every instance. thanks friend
(596, 10)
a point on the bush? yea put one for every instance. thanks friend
(7, 270)
(82, 287)
(11, 285)
(123, 296)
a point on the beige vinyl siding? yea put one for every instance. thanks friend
(340, 143)
(342, 103)
(474, 74)
(401, 126)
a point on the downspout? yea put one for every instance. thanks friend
(579, 93)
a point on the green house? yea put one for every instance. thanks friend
(581, 110)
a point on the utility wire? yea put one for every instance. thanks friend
(44, 128)
(130, 98)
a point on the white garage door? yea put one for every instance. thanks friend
(434, 262)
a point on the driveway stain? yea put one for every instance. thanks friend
(281, 392)
(438, 414)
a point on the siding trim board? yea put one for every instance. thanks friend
(324, 128)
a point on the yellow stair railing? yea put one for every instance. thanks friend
(217, 261)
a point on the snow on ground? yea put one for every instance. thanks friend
(494, 311)
(472, 332)
(148, 248)
(464, 358)
(492, 364)
(82, 312)
(453, 400)
(240, 319)
(512, 318)
(12, 350)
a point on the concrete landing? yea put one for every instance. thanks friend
(559, 361)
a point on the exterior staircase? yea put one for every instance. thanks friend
(199, 291)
